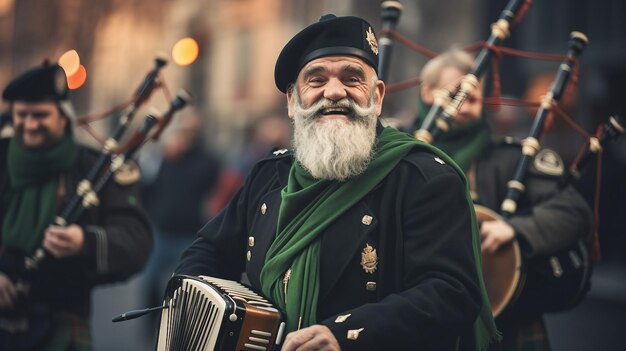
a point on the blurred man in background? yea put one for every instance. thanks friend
(48, 308)
(548, 218)
(175, 193)
(268, 133)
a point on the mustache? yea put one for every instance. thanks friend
(354, 110)
(315, 110)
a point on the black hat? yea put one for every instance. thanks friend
(47, 82)
(332, 35)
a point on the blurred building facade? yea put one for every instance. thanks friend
(232, 80)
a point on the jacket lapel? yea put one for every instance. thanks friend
(264, 228)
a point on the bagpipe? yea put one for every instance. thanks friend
(525, 287)
(438, 120)
(517, 285)
(390, 15)
(115, 161)
(447, 103)
(544, 283)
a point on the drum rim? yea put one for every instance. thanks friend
(496, 309)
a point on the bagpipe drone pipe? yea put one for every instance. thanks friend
(546, 283)
(447, 103)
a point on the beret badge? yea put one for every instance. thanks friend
(371, 39)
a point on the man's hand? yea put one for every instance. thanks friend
(63, 241)
(8, 293)
(494, 234)
(315, 337)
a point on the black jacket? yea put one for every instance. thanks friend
(548, 218)
(424, 291)
(117, 241)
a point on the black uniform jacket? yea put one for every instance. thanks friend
(548, 218)
(117, 241)
(423, 292)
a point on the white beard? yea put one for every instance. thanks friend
(334, 149)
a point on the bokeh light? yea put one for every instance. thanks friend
(5, 6)
(185, 51)
(77, 79)
(70, 61)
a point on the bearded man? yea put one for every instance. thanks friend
(362, 236)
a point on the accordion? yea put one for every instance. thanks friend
(206, 313)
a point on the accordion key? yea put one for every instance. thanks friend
(207, 313)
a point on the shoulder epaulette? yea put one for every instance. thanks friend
(429, 163)
(279, 152)
(276, 154)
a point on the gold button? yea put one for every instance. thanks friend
(251, 241)
(263, 208)
(249, 255)
(353, 334)
(370, 286)
(367, 220)
(342, 318)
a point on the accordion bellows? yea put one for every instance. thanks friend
(206, 313)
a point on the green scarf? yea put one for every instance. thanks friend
(310, 205)
(464, 143)
(29, 199)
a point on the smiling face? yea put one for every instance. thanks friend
(38, 125)
(334, 105)
(334, 78)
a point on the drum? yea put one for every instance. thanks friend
(526, 288)
(502, 270)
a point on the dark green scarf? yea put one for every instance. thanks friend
(30, 197)
(310, 205)
(464, 143)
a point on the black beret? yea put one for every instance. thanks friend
(332, 35)
(42, 83)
